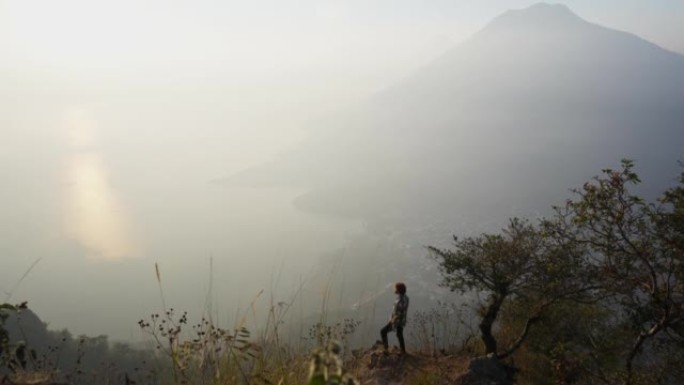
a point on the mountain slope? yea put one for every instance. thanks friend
(501, 125)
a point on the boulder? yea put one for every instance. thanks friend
(487, 370)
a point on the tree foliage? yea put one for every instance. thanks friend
(520, 264)
(615, 258)
(635, 248)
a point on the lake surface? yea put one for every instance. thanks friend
(97, 193)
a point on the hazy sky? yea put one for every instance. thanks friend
(115, 115)
(267, 39)
(297, 59)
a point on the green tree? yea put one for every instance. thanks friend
(12, 353)
(635, 249)
(520, 264)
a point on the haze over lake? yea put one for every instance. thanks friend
(131, 134)
(100, 215)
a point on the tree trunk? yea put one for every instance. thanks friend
(488, 321)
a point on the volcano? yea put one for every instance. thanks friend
(503, 124)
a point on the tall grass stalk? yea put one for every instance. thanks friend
(212, 355)
(8, 295)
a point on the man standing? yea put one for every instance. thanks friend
(398, 318)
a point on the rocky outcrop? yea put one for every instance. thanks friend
(487, 370)
(375, 367)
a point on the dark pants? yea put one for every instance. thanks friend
(400, 335)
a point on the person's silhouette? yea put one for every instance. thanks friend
(398, 319)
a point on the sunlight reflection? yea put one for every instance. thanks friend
(95, 218)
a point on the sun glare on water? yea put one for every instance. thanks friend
(95, 218)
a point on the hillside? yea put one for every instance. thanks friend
(51, 362)
(501, 125)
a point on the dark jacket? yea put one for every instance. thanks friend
(398, 318)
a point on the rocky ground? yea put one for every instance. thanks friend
(374, 367)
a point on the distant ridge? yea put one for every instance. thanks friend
(503, 124)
